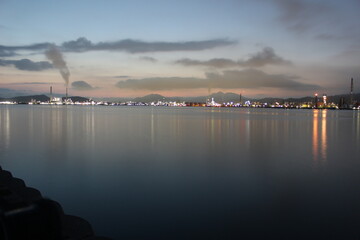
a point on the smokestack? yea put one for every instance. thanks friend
(50, 93)
(351, 91)
(66, 96)
(240, 98)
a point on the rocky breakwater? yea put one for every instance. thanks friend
(25, 214)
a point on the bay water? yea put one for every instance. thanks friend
(191, 173)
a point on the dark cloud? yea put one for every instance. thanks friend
(136, 46)
(121, 76)
(246, 79)
(7, 93)
(215, 62)
(7, 53)
(31, 83)
(162, 83)
(79, 45)
(266, 57)
(26, 64)
(300, 16)
(81, 85)
(149, 59)
(33, 47)
(251, 78)
(127, 45)
(326, 36)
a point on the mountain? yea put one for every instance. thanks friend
(151, 98)
(219, 97)
(227, 97)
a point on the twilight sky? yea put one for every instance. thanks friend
(278, 48)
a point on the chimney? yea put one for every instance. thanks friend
(351, 91)
(51, 94)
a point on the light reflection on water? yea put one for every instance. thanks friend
(192, 172)
(5, 128)
(319, 136)
(356, 124)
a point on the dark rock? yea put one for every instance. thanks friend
(25, 214)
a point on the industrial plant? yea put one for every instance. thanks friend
(319, 101)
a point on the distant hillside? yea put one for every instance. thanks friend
(26, 99)
(227, 97)
(219, 97)
(40, 98)
(150, 98)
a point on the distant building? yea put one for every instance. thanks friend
(316, 101)
(342, 103)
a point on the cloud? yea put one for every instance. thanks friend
(246, 79)
(7, 93)
(149, 59)
(27, 65)
(170, 83)
(266, 57)
(81, 85)
(251, 78)
(136, 46)
(215, 62)
(7, 53)
(121, 76)
(30, 83)
(32, 47)
(327, 37)
(299, 16)
(127, 45)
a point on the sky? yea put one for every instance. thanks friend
(259, 48)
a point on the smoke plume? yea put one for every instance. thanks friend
(55, 56)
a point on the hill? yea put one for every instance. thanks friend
(150, 98)
(219, 97)
(40, 98)
(27, 99)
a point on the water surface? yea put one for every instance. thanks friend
(192, 173)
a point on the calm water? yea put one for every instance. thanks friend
(192, 173)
